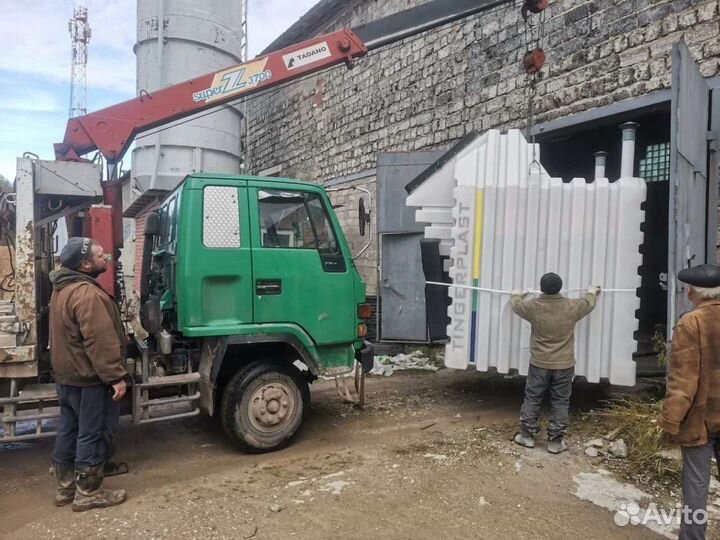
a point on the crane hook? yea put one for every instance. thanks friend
(533, 6)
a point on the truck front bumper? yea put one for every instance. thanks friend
(366, 356)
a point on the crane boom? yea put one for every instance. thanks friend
(112, 130)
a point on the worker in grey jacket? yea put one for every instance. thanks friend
(552, 357)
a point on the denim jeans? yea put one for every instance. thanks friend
(539, 382)
(111, 429)
(81, 436)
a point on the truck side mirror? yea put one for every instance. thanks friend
(152, 229)
(152, 224)
(363, 216)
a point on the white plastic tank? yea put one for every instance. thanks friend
(179, 40)
(504, 222)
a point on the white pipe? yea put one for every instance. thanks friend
(627, 167)
(160, 58)
(600, 164)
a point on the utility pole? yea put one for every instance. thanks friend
(80, 34)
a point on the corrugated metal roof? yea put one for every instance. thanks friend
(506, 228)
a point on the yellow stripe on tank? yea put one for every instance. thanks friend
(479, 214)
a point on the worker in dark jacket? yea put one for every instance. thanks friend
(87, 347)
(552, 357)
(691, 411)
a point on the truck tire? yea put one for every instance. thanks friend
(263, 405)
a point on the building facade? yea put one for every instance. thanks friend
(429, 91)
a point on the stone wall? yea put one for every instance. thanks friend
(429, 91)
(345, 200)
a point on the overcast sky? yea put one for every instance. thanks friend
(35, 64)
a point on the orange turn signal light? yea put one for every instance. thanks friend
(364, 311)
(362, 330)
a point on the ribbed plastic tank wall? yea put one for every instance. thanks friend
(510, 223)
(178, 40)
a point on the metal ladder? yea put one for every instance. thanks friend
(142, 403)
(34, 398)
(38, 395)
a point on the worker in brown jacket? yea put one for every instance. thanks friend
(87, 347)
(552, 357)
(691, 411)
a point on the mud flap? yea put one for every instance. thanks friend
(366, 356)
(210, 360)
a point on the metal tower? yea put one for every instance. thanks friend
(80, 34)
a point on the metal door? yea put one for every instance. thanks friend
(402, 281)
(404, 316)
(690, 191)
(714, 175)
(394, 171)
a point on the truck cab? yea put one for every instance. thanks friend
(249, 293)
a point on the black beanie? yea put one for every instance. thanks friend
(551, 283)
(75, 252)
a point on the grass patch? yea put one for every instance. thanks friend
(633, 420)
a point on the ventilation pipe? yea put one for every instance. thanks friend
(600, 164)
(629, 131)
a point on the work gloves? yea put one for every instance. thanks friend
(595, 289)
(518, 292)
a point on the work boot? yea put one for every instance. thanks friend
(64, 474)
(524, 439)
(556, 446)
(89, 492)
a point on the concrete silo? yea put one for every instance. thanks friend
(179, 40)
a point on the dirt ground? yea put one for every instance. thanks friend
(428, 458)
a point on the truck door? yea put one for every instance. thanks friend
(215, 272)
(300, 264)
(693, 193)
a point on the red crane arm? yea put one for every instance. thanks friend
(112, 130)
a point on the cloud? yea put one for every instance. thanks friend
(268, 19)
(19, 130)
(111, 62)
(35, 102)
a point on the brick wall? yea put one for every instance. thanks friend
(429, 91)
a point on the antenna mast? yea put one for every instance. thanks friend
(80, 34)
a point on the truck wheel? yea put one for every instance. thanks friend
(263, 406)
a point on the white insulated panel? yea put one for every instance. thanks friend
(512, 224)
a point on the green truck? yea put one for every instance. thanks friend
(249, 293)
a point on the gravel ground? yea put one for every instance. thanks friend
(429, 457)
